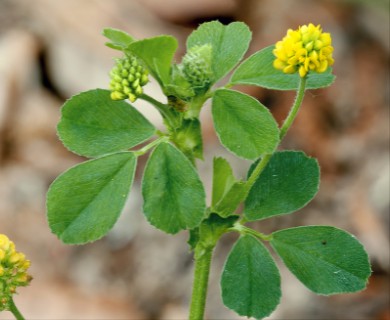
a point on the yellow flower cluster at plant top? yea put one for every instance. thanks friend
(303, 50)
(13, 271)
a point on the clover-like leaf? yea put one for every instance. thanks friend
(229, 44)
(157, 54)
(119, 39)
(288, 182)
(174, 197)
(325, 259)
(92, 124)
(84, 202)
(244, 126)
(250, 280)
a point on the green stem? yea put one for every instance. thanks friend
(200, 285)
(245, 230)
(294, 109)
(203, 260)
(283, 130)
(195, 106)
(145, 149)
(256, 172)
(165, 110)
(14, 310)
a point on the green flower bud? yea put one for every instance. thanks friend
(144, 79)
(196, 67)
(138, 90)
(127, 78)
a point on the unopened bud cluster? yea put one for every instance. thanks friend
(127, 79)
(196, 66)
(13, 271)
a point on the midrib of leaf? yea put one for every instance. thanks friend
(319, 258)
(78, 124)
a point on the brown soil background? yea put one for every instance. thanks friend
(50, 50)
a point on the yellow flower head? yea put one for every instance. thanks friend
(13, 271)
(303, 50)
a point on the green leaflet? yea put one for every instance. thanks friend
(229, 44)
(325, 259)
(289, 181)
(228, 192)
(250, 280)
(174, 197)
(244, 126)
(120, 39)
(258, 70)
(85, 201)
(223, 179)
(157, 54)
(92, 124)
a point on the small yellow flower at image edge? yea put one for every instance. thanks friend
(13, 271)
(304, 50)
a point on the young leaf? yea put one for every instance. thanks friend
(157, 54)
(120, 39)
(92, 124)
(244, 126)
(229, 44)
(250, 280)
(325, 259)
(228, 192)
(289, 181)
(231, 200)
(84, 202)
(258, 70)
(174, 197)
(223, 179)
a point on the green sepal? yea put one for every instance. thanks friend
(250, 280)
(288, 182)
(174, 197)
(120, 40)
(193, 238)
(85, 201)
(188, 138)
(208, 233)
(92, 124)
(157, 54)
(325, 259)
(258, 70)
(179, 86)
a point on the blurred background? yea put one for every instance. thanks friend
(50, 50)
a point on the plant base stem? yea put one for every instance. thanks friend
(200, 285)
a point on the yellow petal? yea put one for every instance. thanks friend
(302, 71)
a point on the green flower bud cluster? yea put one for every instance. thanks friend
(127, 79)
(13, 271)
(196, 66)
